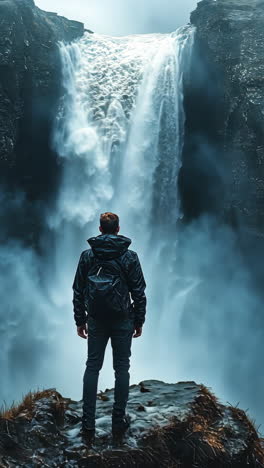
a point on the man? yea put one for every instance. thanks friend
(108, 254)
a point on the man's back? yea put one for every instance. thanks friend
(108, 250)
(110, 247)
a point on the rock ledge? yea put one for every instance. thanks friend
(173, 425)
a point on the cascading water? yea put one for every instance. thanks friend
(119, 133)
(121, 126)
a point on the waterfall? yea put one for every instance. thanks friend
(119, 137)
(121, 126)
(119, 134)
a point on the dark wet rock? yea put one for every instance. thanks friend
(182, 425)
(224, 150)
(30, 87)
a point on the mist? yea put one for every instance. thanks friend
(203, 318)
(122, 17)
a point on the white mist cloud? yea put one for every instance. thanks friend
(122, 17)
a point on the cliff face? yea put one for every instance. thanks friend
(224, 152)
(29, 92)
(172, 425)
(223, 161)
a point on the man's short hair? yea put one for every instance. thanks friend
(109, 222)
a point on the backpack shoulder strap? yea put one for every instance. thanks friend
(121, 267)
(95, 264)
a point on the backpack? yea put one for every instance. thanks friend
(106, 290)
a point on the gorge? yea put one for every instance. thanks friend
(167, 131)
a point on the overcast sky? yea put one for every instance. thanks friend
(121, 17)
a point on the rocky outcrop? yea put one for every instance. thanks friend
(30, 74)
(172, 425)
(224, 152)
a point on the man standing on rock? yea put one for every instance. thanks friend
(109, 302)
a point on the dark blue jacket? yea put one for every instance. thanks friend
(110, 247)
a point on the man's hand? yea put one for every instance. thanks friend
(82, 331)
(138, 332)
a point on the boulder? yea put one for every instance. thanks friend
(172, 425)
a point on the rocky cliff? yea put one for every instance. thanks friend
(172, 425)
(29, 91)
(224, 151)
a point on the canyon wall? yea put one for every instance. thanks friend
(30, 87)
(223, 170)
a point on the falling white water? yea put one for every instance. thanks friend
(121, 126)
(119, 134)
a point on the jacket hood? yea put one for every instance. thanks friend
(108, 246)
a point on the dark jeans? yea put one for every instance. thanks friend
(120, 332)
